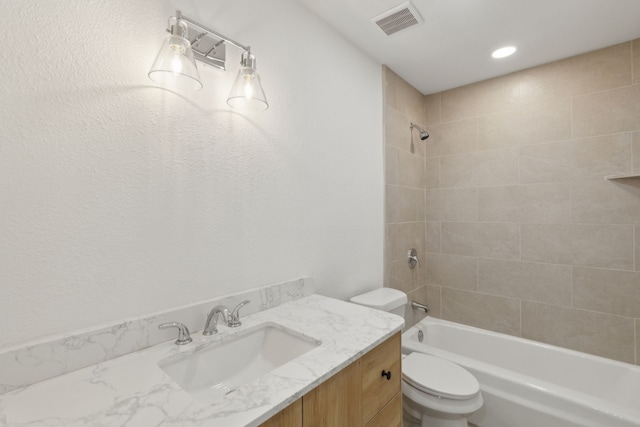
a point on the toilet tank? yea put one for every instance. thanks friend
(385, 299)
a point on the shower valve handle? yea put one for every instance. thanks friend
(412, 257)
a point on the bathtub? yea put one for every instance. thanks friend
(529, 384)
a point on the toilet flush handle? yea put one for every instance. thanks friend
(386, 374)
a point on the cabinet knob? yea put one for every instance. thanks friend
(386, 374)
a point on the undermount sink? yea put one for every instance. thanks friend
(212, 372)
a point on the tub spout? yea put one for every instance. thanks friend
(419, 306)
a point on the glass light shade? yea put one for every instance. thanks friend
(175, 66)
(247, 92)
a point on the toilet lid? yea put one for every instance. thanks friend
(439, 377)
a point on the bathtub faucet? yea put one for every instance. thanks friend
(419, 306)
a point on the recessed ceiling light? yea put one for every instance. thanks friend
(503, 52)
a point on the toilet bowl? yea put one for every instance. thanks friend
(436, 392)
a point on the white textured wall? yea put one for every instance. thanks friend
(118, 198)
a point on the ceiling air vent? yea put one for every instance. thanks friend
(397, 19)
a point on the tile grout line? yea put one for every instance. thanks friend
(632, 67)
(520, 301)
(572, 274)
(520, 242)
(571, 203)
(477, 259)
(477, 272)
(571, 120)
(633, 165)
(635, 341)
(440, 236)
(440, 220)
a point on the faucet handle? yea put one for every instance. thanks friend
(234, 317)
(184, 337)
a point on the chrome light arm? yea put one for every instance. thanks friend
(213, 32)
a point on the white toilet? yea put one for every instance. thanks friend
(436, 392)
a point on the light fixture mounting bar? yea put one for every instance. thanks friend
(206, 56)
(208, 46)
(215, 33)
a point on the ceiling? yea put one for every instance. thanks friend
(453, 46)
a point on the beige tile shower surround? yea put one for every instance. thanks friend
(516, 228)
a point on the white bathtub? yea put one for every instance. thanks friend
(529, 384)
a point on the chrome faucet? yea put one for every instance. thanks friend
(232, 319)
(183, 332)
(210, 327)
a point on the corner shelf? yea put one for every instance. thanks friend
(630, 176)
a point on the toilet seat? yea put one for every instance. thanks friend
(439, 377)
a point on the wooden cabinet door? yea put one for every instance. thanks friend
(390, 415)
(336, 402)
(378, 389)
(291, 416)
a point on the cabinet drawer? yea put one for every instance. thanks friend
(377, 389)
(391, 415)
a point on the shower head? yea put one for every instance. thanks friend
(423, 133)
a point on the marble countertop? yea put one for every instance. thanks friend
(132, 390)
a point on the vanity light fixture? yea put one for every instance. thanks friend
(175, 65)
(503, 52)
